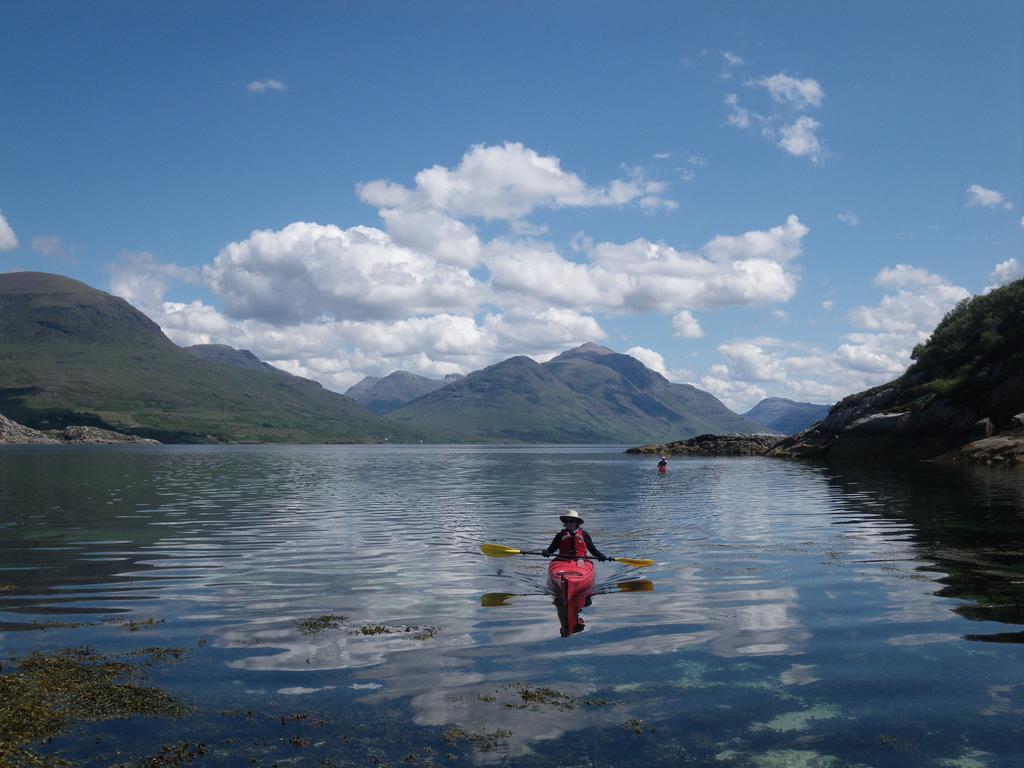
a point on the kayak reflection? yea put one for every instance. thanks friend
(572, 580)
(573, 590)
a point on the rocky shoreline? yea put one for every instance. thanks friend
(990, 448)
(13, 433)
(713, 445)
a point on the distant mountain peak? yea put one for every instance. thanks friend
(593, 349)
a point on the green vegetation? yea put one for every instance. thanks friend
(42, 695)
(978, 344)
(318, 624)
(586, 395)
(70, 354)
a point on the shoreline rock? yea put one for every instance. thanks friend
(714, 445)
(13, 433)
(96, 436)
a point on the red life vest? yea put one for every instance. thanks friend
(572, 544)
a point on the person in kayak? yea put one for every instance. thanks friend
(572, 540)
(663, 464)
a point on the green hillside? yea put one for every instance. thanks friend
(70, 354)
(586, 395)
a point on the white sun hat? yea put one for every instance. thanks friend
(571, 514)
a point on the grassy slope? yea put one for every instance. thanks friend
(71, 354)
(576, 398)
(517, 400)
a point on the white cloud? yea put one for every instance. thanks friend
(1005, 272)
(507, 182)
(698, 160)
(903, 275)
(53, 248)
(738, 117)
(780, 243)
(685, 325)
(800, 140)
(747, 269)
(750, 362)
(849, 218)
(307, 271)
(8, 240)
(262, 86)
(908, 311)
(663, 155)
(434, 234)
(980, 197)
(732, 59)
(877, 350)
(828, 305)
(141, 280)
(650, 358)
(792, 91)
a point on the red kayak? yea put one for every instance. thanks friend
(571, 580)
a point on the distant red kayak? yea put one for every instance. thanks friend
(662, 468)
(571, 581)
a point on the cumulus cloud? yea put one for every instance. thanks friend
(307, 271)
(730, 270)
(1005, 272)
(849, 218)
(828, 305)
(877, 349)
(800, 140)
(8, 240)
(980, 197)
(262, 86)
(792, 91)
(685, 325)
(141, 280)
(507, 182)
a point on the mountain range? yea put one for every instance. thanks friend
(385, 394)
(71, 354)
(589, 394)
(786, 417)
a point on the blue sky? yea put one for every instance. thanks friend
(757, 198)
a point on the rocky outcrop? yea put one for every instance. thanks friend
(904, 420)
(1004, 448)
(13, 433)
(97, 436)
(713, 445)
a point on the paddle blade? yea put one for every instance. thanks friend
(496, 550)
(636, 585)
(495, 599)
(636, 563)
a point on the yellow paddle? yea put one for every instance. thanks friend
(496, 550)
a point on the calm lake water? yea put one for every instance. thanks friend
(799, 616)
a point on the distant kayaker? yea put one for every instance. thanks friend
(663, 464)
(572, 540)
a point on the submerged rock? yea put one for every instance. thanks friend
(714, 445)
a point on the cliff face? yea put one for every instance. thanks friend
(966, 384)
